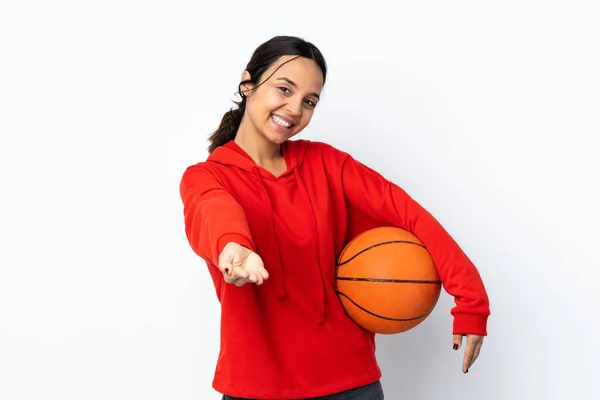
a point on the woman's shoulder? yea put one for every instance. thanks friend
(201, 173)
(201, 167)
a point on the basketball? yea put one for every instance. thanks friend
(386, 280)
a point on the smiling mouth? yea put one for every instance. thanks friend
(281, 122)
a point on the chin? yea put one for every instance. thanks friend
(277, 138)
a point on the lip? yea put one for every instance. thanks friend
(280, 129)
(286, 119)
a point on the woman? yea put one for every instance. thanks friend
(270, 215)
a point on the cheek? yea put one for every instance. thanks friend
(271, 100)
(263, 103)
(306, 117)
(259, 110)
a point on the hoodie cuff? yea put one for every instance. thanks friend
(470, 324)
(235, 238)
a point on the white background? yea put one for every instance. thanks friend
(486, 112)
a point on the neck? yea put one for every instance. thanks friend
(258, 147)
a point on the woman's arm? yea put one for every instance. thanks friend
(371, 195)
(212, 216)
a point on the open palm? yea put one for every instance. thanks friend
(241, 265)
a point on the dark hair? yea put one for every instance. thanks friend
(264, 56)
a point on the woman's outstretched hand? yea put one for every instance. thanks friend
(472, 349)
(241, 265)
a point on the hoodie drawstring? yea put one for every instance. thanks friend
(278, 268)
(278, 274)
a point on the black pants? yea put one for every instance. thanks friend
(374, 391)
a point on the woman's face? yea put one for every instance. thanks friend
(283, 105)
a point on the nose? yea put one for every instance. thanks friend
(294, 107)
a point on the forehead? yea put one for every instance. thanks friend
(302, 71)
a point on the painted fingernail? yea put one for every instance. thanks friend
(467, 371)
(226, 270)
(455, 347)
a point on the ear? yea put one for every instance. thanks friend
(247, 87)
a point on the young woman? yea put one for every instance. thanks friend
(270, 216)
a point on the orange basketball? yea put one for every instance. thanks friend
(387, 281)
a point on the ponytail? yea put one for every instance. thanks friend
(229, 126)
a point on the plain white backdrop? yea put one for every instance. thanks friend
(485, 112)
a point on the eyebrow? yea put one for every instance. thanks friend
(292, 83)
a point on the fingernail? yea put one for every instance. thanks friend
(455, 347)
(467, 371)
(226, 270)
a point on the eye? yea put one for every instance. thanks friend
(310, 103)
(284, 89)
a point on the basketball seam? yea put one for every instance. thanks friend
(356, 279)
(377, 245)
(381, 316)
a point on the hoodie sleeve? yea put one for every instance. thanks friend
(371, 195)
(212, 216)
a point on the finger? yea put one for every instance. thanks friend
(263, 273)
(469, 352)
(236, 281)
(477, 350)
(226, 265)
(260, 278)
(254, 277)
(457, 341)
(240, 282)
(255, 264)
(237, 273)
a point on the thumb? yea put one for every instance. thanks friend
(457, 341)
(226, 263)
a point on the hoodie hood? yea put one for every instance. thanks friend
(231, 155)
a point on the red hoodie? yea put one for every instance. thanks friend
(290, 338)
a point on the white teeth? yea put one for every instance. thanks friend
(281, 122)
